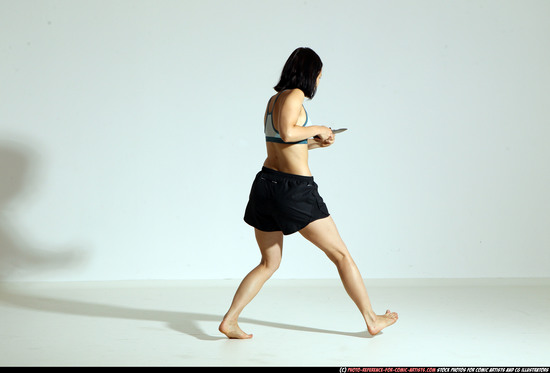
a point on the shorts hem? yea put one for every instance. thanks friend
(311, 221)
(284, 231)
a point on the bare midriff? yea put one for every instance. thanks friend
(289, 158)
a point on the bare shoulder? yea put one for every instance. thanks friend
(294, 98)
(296, 94)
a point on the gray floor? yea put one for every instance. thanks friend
(294, 322)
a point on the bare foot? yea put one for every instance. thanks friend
(382, 321)
(231, 330)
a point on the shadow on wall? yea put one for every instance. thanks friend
(17, 255)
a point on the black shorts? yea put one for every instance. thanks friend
(283, 202)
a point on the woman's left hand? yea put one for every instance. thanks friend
(316, 142)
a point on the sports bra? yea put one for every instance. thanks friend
(271, 134)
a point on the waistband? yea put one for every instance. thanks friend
(278, 175)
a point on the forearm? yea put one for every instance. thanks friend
(299, 133)
(313, 144)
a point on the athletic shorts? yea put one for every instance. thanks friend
(283, 202)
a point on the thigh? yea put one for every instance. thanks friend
(271, 245)
(324, 234)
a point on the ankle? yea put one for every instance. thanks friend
(370, 317)
(230, 318)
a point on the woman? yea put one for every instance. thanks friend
(284, 198)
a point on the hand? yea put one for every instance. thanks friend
(328, 142)
(325, 133)
(326, 138)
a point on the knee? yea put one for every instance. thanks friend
(270, 265)
(341, 258)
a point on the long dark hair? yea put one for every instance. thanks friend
(301, 71)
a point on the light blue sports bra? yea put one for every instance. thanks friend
(271, 134)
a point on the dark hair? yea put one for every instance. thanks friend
(301, 71)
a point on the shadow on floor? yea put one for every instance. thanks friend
(183, 322)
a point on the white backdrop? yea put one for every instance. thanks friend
(131, 130)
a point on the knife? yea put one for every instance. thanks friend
(339, 130)
(335, 131)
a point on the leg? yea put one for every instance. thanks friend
(271, 247)
(324, 234)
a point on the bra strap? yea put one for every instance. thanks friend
(274, 102)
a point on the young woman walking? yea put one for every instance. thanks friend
(284, 198)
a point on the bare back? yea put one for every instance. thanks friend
(289, 158)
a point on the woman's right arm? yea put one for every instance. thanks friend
(289, 130)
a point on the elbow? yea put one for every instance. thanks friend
(286, 136)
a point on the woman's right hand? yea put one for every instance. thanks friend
(325, 133)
